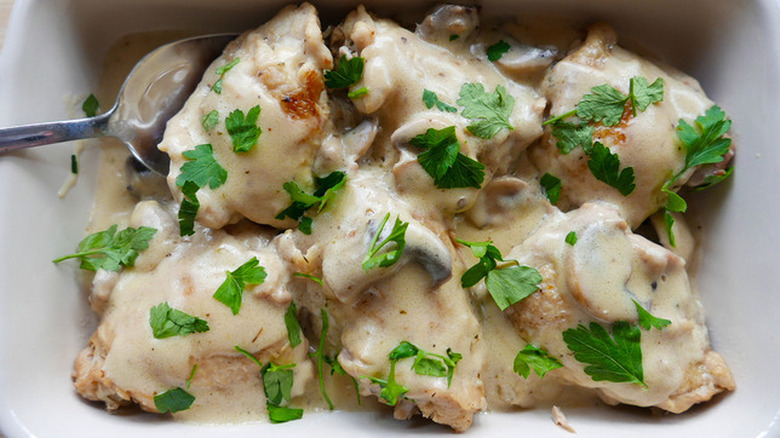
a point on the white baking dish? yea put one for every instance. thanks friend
(54, 50)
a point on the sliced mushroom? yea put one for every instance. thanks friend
(445, 21)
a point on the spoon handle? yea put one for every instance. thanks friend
(25, 136)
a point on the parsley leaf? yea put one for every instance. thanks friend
(606, 104)
(552, 187)
(643, 94)
(282, 414)
(391, 390)
(292, 324)
(430, 99)
(488, 112)
(217, 87)
(327, 187)
(497, 50)
(444, 162)
(192, 376)
(243, 130)
(615, 359)
(605, 166)
(109, 250)
(388, 258)
(360, 92)
(173, 400)
(167, 322)
(230, 292)
(348, 71)
(277, 382)
(603, 104)
(508, 283)
(210, 120)
(704, 144)
(74, 164)
(534, 357)
(571, 238)
(570, 135)
(647, 320)
(90, 105)
(188, 209)
(319, 355)
(317, 280)
(427, 363)
(202, 169)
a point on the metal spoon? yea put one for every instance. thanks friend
(155, 90)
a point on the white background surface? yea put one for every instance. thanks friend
(55, 48)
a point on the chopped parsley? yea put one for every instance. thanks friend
(488, 112)
(217, 87)
(231, 291)
(313, 278)
(277, 384)
(647, 320)
(167, 322)
(616, 358)
(390, 257)
(571, 238)
(90, 105)
(188, 209)
(243, 130)
(391, 390)
(430, 99)
(605, 167)
(360, 92)
(507, 283)
(74, 164)
(319, 355)
(210, 120)
(443, 161)
(427, 363)
(292, 324)
(704, 144)
(173, 400)
(533, 357)
(202, 168)
(570, 135)
(497, 50)
(109, 250)
(192, 376)
(327, 187)
(348, 71)
(552, 187)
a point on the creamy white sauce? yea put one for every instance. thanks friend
(420, 298)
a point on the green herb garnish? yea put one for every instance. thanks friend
(90, 105)
(615, 359)
(571, 238)
(397, 235)
(243, 130)
(217, 87)
(109, 250)
(188, 209)
(508, 283)
(302, 201)
(292, 324)
(647, 320)
(231, 291)
(202, 168)
(497, 50)
(533, 357)
(443, 161)
(605, 167)
(348, 72)
(173, 400)
(167, 322)
(552, 187)
(210, 120)
(430, 99)
(488, 112)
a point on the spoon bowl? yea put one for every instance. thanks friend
(154, 91)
